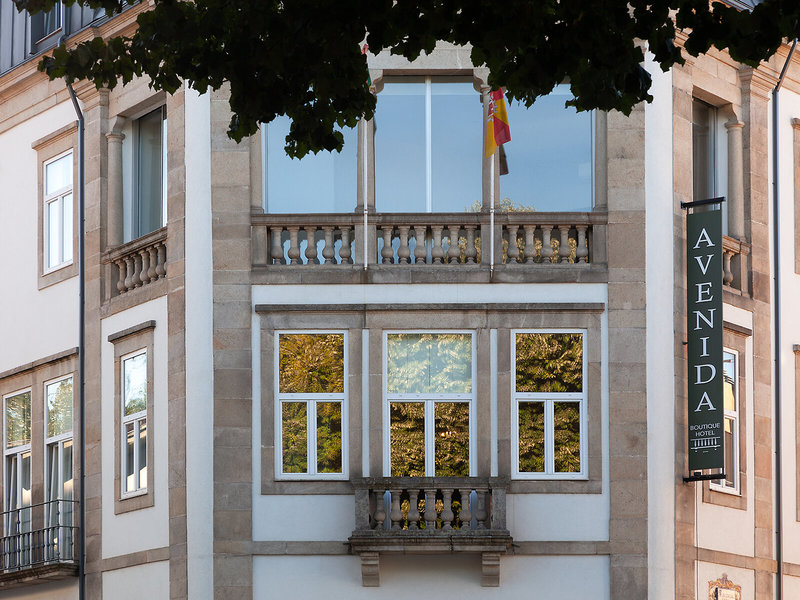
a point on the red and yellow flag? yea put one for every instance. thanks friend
(497, 130)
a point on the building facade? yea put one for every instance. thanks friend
(406, 368)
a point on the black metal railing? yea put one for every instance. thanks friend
(39, 534)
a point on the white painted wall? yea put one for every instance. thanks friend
(660, 317)
(149, 527)
(789, 107)
(66, 589)
(34, 323)
(150, 581)
(199, 347)
(403, 577)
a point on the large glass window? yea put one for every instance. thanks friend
(730, 389)
(549, 162)
(44, 24)
(59, 471)
(318, 183)
(549, 405)
(428, 152)
(134, 422)
(150, 198)
(429, 403)
(58, 212)
(17, 415)
(311, 393)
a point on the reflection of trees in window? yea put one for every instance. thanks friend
(549, 362)
(18, 420)
(567, 437)
(329, 437)
(59, 407)
(407, 439)
(311, 363)
(531, 437)
(451, 439)
(295, 440)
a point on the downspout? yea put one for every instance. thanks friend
(777, 325)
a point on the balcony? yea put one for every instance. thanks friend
(39, 543)
(527, 245)
(430, 515)
(136, 263)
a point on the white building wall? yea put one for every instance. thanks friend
(150, 581)
(52, 312)
(148, 527)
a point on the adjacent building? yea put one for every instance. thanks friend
(402, 369)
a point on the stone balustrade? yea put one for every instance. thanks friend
(403, 239)
(735, 265)
(139, 262)
(424, 515)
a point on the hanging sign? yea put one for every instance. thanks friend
(704, 335)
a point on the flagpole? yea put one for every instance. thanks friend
(491, 217)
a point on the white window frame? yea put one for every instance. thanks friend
(311, 401)
(56, 196)
(720, 485)
(19, 452)
(429, 400)
(548, 398)
(136, 418)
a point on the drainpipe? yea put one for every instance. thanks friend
(777, 325)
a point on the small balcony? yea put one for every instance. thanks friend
(39, 543)
(430, 515)
(136, 263)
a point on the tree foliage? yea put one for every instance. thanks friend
(302, 58)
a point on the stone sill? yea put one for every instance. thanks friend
(37, 574)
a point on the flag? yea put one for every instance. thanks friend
(364, 50)
(497, 130)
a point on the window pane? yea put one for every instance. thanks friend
(400, 156)
(311, 363)
(549, 362)
(407, 439)
(456, 146)
(66, 238)
(451, 439)
(53, 241)
(549, 156)
(329, 437)
(567, 437)
(58, 174)
(66, 472)
(142, 452)
(729, 380)
(130, 469)
(703, 117)
(318, 183)
(25, 487)
(294, 432)
(12, 464)
(134, 377)
(149, 172)
(730, 449)
(18, 420)
(59, 407)
(531, 437)
(436, 363)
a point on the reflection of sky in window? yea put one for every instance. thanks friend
(447, 112)
(318, 183)
(549, 155)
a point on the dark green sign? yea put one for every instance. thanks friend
(704, 331)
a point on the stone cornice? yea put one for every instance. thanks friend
(757, 82)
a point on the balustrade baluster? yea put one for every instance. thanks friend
(530, 243)
(387, 252)
(727, 273)
(438, 252)
(294, 245)
(311, 245)
(380, 512)
(453, 249)
(447, 511)
(328, 252)
(128, 273)
(145, 276)
(413, 509)
(137, 270)
(513, 249)
(470, 253)
(547, 244)
(395, 514)
(151, 270)
(582, 250)
(420, 250)
(430, 509)
(344, 250)
(480, 512)
(122, 270)
(563, 245)
(465, 515)
(276, 248)
(403, 252)
(161, 265)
